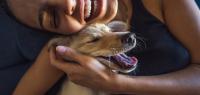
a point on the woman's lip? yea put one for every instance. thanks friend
(81, 9)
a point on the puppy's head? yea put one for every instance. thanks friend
(107, 43)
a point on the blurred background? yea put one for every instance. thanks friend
(198, 2)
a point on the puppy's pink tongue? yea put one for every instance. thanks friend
(125, 62)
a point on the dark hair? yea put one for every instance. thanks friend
(5, 6)
(2, 2)
(6, 9)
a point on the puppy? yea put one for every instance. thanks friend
(107, 43)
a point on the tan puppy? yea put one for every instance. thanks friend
(107, 43)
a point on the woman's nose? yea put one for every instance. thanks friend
(70, 6)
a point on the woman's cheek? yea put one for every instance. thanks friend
(70, 25)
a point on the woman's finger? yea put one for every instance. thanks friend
(71, 54)
(61, 64)
(88, 63)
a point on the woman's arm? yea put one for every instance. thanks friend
(183, 19)
(184, 82)
(40, 77)
(92, 74)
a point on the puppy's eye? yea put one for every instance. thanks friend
(94, 40)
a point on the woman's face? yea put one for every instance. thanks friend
(63, 16)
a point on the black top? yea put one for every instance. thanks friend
(158, 50)
(19, 47)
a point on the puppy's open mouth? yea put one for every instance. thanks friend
(122, 62)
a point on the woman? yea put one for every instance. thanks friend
(163, 23)
(23, 41)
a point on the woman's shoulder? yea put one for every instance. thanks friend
(155, 8)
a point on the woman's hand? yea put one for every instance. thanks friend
(91, 73)
(87, 71)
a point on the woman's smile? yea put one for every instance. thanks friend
(93, 8)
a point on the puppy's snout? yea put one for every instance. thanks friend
(128, 38)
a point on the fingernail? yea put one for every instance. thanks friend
(61, 49)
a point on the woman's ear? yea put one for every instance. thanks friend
(118, 26)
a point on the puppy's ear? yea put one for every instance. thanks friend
(118, 26)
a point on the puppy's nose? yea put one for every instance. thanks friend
(128, 38)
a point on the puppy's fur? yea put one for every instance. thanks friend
(102, 42)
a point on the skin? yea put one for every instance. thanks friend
(183, 24)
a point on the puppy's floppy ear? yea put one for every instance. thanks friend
(118, 26)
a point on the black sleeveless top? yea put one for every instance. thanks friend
(19, 47)
(158, 51)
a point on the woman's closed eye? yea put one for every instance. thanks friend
(54, 20)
